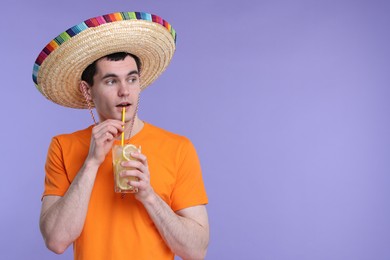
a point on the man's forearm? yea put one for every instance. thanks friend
(62, 218)
(186, 237)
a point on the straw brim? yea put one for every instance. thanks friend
(59, 75)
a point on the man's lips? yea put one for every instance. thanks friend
(124, 104)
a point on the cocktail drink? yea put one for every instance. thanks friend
(120, 154)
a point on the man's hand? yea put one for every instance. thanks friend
(102, 138)
(140, 170)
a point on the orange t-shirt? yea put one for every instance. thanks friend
(118, 228)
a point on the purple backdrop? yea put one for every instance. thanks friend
(287, 103)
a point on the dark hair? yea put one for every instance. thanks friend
(90, 71)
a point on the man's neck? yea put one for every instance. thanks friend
(137, 127)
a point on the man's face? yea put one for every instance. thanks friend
(116, 85)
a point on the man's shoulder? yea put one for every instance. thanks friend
(83, 134)
(158, 132)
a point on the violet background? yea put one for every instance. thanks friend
(287, 103)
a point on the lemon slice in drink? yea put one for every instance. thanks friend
(127, 150)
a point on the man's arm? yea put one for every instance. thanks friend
(62, 218)
(186, 231)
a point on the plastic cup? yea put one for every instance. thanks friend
(120, 154)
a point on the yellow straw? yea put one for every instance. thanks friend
(123, 120)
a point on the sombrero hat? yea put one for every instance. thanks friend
(58, 68)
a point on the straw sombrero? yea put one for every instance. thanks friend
(58, 68)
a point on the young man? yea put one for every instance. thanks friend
(167, 215)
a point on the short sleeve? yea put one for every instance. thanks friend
(189, 188)
(56, 179)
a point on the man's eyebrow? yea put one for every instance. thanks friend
(112, 75)
(133, 72)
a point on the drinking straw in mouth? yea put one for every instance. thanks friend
(123, 120)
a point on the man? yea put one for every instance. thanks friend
(167, 215)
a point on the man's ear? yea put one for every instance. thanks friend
(86, 90)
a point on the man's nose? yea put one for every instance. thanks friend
(123, 89)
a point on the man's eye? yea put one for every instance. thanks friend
(132, 79)
(110, 82)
